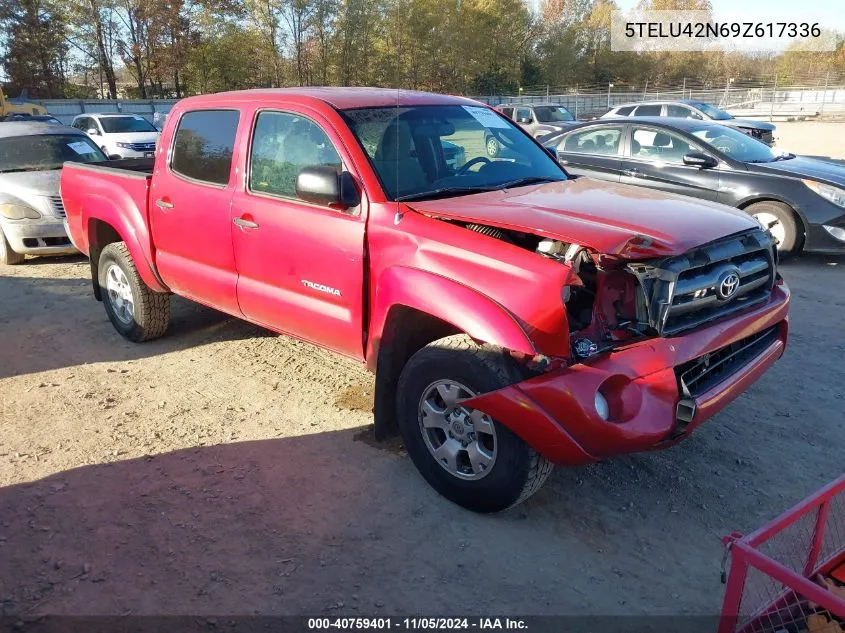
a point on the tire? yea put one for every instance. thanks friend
(7, 255)
(146, 314)
(515, 472)
(492, 146)
(787, 231)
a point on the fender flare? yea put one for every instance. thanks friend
(99, 208)
(468, 310)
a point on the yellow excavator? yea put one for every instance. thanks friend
(19, 106)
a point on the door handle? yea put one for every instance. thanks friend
(631, 172)
(245, 224)
(563, 162)
(162, 203)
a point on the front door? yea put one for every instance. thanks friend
(594, 152)
(656, 160)
(300, 265)
(189, 210)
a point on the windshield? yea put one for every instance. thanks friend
(713, 113)
(47, 151)
(550, 114)
(735, 144)
(121, 124)
(428, 151)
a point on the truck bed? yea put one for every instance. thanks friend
(137, 165)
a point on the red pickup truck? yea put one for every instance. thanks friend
(515, 317)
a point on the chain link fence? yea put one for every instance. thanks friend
(814, 97)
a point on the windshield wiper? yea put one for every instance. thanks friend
(445, 191)
(530, 180)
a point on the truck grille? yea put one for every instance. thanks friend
(58, 206)
(707, 283)
(705, 372)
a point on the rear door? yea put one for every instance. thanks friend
(594, 152)
(189, 209)
(300, 265)
(654, 159)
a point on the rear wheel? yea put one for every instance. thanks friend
(7, 255)
(468, 457)
(136, 312)
(780, 220)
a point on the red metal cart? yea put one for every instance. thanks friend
(771, 587)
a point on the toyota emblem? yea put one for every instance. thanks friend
(728, 285)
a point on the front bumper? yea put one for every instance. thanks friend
(555, 412)
(38, 237)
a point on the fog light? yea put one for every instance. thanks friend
(835, 231)
(601, 406)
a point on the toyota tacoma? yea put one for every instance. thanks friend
(515, 317)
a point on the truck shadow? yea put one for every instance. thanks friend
(51, 323)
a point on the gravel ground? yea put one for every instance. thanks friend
(821, 139)
(222, 470)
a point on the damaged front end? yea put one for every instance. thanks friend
(657, 346)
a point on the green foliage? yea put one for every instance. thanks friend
(170, 48)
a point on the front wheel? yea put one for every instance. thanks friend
(779, 219)
(136, 312)
(7, 255)
(466, 456)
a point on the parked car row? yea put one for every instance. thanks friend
(800, 200)
(515, 316)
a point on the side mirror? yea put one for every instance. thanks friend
(523, 119)
(321, 184)
(700, 160)
(92, 132)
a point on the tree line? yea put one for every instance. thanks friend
(173, 48)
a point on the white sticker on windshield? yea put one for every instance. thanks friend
(81, 147)
(486, 117)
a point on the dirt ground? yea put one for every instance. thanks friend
(822, 139)
(224, 470)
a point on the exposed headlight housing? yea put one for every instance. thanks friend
(14, 211)
(833, 194)
(124, 145)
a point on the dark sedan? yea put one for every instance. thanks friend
(801, 200)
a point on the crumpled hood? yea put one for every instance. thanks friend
(620, 220)
(748, 123)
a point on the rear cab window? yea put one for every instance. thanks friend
(203, 146)
(625, 111)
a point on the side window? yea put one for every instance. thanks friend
(604, 140)
(626, 111)
(203, 146)
(660, 145)
(282, 145)
(648, 110)
(508, 112)
(523, 113)
(679, 112)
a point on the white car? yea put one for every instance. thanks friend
(120, 135)
(32, 216)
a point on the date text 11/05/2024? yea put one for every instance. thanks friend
(418, 624)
